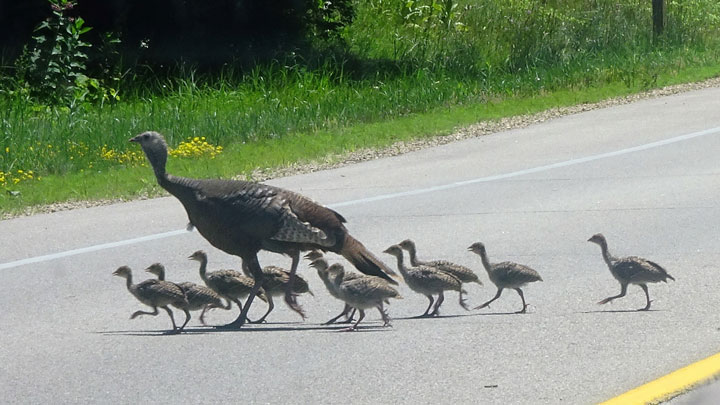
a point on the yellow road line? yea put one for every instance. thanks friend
(672, 384)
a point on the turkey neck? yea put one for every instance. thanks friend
(401, 265)
(157, 156)
(203, 268)
(606, 253)
(339, 278)
(325, 277)
(485, 261)
(180, 187)
(129, 283)
(413, 256)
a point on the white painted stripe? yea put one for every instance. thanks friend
(89, 249)
(532, 170)
(486, 179)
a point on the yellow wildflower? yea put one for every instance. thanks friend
(195, 147)
(131, 157)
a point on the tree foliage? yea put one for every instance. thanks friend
(205, 33)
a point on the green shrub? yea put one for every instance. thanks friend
(54, 64)
(52, 68)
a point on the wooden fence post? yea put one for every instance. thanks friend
(658, 11)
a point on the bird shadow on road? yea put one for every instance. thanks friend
(363, 328)
(418, 317)
(303, 327)
(610, 311)
(150, 333)
(253, 328)
(500, 313)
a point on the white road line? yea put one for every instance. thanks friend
(89, 249)
(486, 179)
(523, 172)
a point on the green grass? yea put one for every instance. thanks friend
(408, 70)
(242, 158)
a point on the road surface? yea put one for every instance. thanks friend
(646, 174)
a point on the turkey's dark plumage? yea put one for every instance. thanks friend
(156, 293)
(241, 218)
(505, 275)
(631, 270)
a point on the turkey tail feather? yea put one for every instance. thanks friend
(364, 260)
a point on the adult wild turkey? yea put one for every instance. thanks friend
(241, 218)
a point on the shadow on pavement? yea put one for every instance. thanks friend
(246, 328)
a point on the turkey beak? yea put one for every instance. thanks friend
(134, 139)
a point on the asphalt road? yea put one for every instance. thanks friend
(532, 195)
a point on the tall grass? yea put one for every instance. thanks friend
(508, 36)
(402, 57)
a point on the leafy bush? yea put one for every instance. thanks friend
(53, 68)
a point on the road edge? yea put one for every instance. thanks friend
(672, 384)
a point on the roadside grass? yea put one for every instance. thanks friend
(402, 70)
(131, 177)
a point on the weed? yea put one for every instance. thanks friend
(53, 67)
(52, 70)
